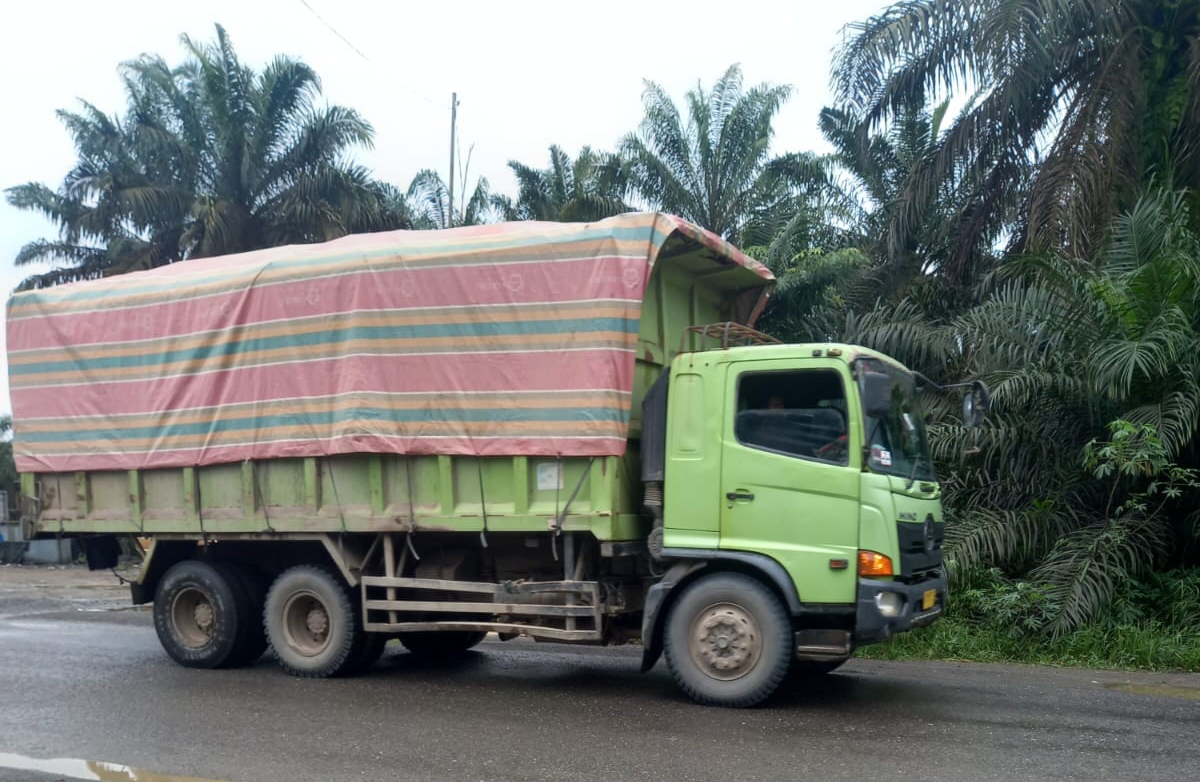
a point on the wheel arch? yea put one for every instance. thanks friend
(697, 563)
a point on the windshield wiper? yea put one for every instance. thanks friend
(912, 476)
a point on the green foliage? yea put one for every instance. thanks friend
(1080, 104)
(591, 187)
(874, 171)
(1146, 646)
(1150, 625)
(429, 202)
(715, 167)
(1071, 349)
(811, 285)
(1089, 564)
(209, 157)
(1137, 455)
(986, 597)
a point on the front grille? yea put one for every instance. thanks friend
(920, 545)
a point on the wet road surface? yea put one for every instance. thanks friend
(79, 681)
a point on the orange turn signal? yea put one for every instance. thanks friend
(872, 563)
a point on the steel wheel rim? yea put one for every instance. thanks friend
(725, 641)
(193, 617)
(307, 624)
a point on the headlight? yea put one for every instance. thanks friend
(889, 603)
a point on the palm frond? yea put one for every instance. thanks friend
(985, 537)
(1085, 568)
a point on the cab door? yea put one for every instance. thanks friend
(791, 458)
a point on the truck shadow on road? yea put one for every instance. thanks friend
(848, 691)
(619, 677)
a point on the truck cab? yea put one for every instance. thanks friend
(809, 465)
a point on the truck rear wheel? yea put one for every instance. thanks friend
(200, 614)
(444, 644)
(311, 623)
(253, 593)
(728, 641)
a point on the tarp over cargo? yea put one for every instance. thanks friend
(511, 339)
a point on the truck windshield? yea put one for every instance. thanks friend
(896, 443)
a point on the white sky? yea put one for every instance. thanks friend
(528, 74)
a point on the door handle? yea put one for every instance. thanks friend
(739, 495)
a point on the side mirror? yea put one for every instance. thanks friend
(975, 404)
(877, 393)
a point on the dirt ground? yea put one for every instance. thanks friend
(40, 589)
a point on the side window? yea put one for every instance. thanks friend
(798, 413)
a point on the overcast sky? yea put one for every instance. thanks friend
(528, 74)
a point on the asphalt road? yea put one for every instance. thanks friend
(78, 680)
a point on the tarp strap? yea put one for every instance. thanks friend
(258, 493)
(561, 516)
(412, 509)
(482, 504)
(333, 483)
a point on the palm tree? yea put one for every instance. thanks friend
(209, 158)
(877, 167)
(844, 264)
(429, 198)
(715, 169)
(1096, 351)
(590, 187)
(1103, 95)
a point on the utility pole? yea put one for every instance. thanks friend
(453, 120)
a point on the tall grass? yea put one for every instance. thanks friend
(1154, 625)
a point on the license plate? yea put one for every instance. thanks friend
(928, 599)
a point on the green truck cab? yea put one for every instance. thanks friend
(807, 466)
(741, 507)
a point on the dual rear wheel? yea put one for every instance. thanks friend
(211, 614)
(215, 614)
(207, 614)
(313, 627)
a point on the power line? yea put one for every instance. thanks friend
(417, 93)
(333, 30)
(439, 104)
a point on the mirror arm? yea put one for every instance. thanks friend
(926, 381)
(942, 389)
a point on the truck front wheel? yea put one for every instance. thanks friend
(728, 641)
(201, 614)
(311, 623)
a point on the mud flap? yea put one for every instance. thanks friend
(103, 552)
(656, 597)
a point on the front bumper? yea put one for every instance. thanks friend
(872, 625)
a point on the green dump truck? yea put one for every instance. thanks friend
(566, 432)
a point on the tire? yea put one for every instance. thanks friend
(728, 641)
(200, 614)
(311, 623)
(253, 587)
(441, 644)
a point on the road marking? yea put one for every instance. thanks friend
(93, 770)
